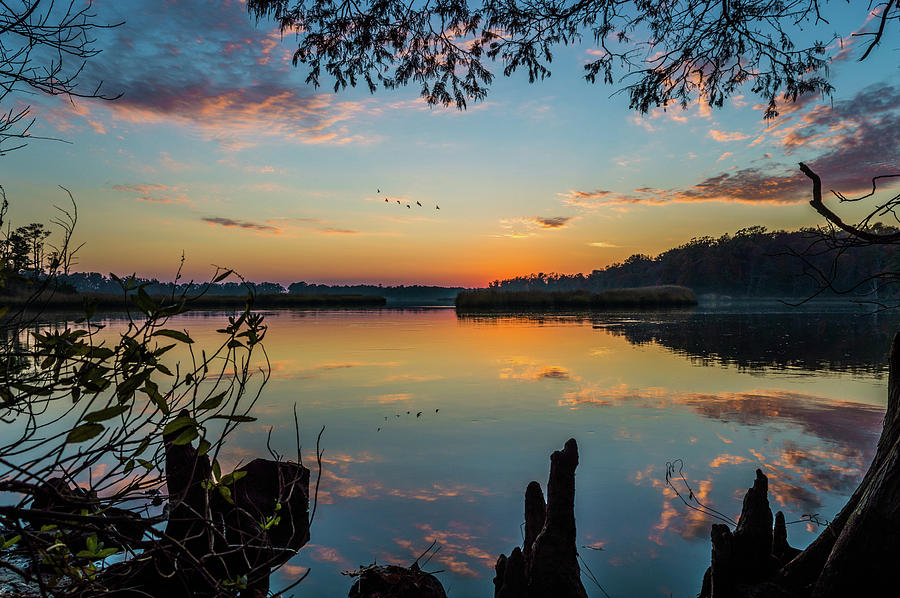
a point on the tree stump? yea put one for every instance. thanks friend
(547, 564)
(853, 556)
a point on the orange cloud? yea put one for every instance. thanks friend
(459, 552)
(524, 369)
(727, 136)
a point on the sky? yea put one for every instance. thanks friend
(219, 149)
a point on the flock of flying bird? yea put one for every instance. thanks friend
(419, 414)
(418, 203)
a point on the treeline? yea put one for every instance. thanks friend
(753, 262)
(395, 294)
(96, 283)
(27, 255)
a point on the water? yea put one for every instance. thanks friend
(436, 423)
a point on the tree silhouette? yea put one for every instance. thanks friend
(669, 52)
(110, 481)
(44, 46)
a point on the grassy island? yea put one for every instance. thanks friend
(638, 298)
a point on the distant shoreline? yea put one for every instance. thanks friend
(635, 298)
(76, 301)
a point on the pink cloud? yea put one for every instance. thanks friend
(529, 226)
(153, 192)
(846, 145)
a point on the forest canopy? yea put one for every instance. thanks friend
(753, 262)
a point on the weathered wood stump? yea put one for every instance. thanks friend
(853, 556)
(547, 563)
(210, 539)
(392, 581)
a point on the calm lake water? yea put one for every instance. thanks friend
(436, 423)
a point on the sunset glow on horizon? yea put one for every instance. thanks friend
(217, 148)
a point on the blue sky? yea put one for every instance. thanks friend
(218, 148)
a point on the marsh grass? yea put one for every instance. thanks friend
(639, 298)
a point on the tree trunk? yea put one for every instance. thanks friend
(854, 556)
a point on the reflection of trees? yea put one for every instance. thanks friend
(814, 342)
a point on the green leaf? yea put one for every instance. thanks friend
(176, 334)
(203, 447)
(4, 309)
(152, 390)
(101, 353)
(142, 447)
(91, 543)
(145, 464)
(212, 402)
(186, 437)
(131, 384)
(216, 470)
(161, 350)
(106, 552)
(235, 418)
(230, 478)
(222, 276)
(144, 302)
(7, 543)
(105, 414)
(178, 423)
(84, 432)
(226, 493)
(31, 389)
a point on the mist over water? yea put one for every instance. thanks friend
(436, 423)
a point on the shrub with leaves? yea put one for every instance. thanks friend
(88, 407)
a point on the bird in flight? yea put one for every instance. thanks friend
(418, 203)
(385, 200)
(379, 191)
(437, 207)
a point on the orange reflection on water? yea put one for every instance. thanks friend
(458, 551)
(495, 397)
